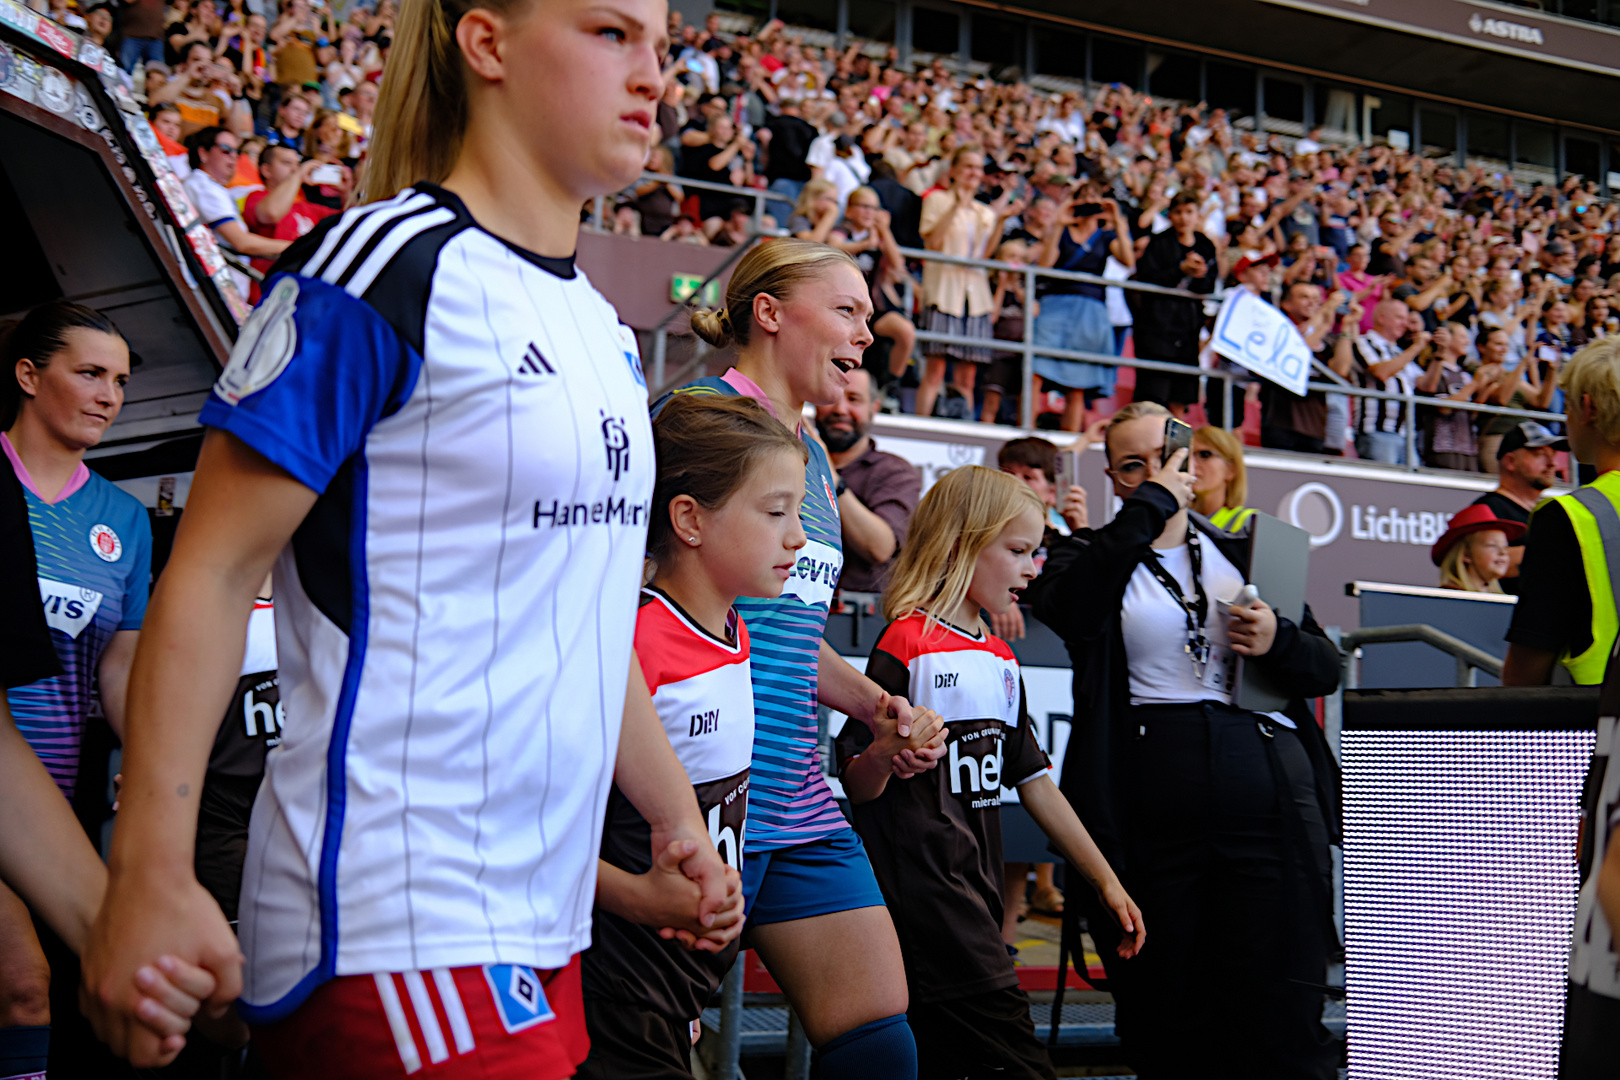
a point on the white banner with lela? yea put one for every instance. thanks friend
(1259, 337)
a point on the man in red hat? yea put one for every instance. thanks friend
(1255, 274)
(1527, 463)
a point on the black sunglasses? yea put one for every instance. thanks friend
(227, 149)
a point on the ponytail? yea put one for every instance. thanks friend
(38, 337)
(421, 115)
(774, 266)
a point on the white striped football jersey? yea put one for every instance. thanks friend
(455, 616)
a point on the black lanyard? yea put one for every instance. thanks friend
(1197, 647)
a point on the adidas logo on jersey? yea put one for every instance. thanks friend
(533, 363)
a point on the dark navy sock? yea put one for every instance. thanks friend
(881, 1050)
(24, 1050)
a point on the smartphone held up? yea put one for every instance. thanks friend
(1177, 436)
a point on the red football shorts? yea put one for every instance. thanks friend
(478, 1023)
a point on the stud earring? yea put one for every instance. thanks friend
(691, 539)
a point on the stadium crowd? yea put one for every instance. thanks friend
(869, 155)
(1486, 273)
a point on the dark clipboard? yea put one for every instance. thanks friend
(1279, 562)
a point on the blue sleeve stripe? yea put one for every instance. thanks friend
(269, 441)
(312, 373)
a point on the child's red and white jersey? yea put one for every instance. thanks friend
(935, 839)
(702, 687)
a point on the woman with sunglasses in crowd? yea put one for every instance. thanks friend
(1213, 816)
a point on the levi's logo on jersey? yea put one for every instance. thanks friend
(815, 574)
(534, 363)
(68, 608)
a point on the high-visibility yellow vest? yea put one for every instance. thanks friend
(1594, 510)
(1231, 518)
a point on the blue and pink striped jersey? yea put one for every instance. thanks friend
(789, 802)
(94, 549)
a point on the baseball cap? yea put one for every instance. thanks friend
(1529, 433)
(1245, 264)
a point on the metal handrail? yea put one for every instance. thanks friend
(1028, 350)
(660, 385)
(758, 196)
(924, 255)
(1469, 657)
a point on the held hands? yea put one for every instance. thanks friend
(1096, 432)
(912, 742)
(1171, 477)
(667, 897)
(172, 991)
(1252, 629)
(138, 1008)
(1194, 265)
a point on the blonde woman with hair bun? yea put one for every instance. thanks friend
(453, 426)
(796, 312)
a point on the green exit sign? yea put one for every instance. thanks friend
(683, 286)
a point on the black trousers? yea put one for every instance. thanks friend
(1220, 860)
(987, 1036)
(1163, 387)
(1591, 1046)
(1276, 438)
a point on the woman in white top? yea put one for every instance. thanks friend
(1214, 816)
(958, 299)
